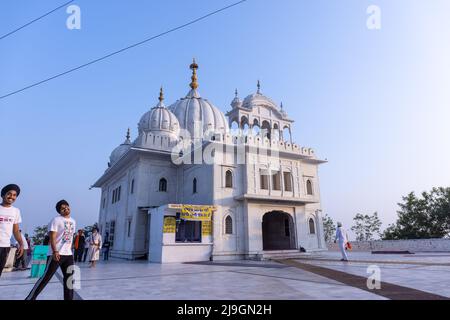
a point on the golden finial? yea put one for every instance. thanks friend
(236, 93)
(194, 67)
(128, 134)
(161, 95)
(259, 86)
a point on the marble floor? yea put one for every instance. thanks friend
(243, 280)
(428, 272)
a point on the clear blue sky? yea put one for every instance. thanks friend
(376, 104)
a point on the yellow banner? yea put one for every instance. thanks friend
(170, 224)
(197, 213)
(207, 228)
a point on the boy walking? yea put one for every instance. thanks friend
(61, 231)
(9, 223)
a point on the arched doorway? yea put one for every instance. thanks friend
(278, 231)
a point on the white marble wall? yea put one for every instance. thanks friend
(419, 245)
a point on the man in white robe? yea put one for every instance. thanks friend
(341, 239)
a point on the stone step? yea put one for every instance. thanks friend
(282, 254)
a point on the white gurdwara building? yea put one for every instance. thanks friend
(191, 188)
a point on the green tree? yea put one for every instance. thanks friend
(424, 217)
(366, 227)
(329, 228)
(39, 235)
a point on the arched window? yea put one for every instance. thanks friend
(255, 128)
(234, 126)
(287, 181)
(163, 185)
(245, 129)
(309, 189)
(264, 178)
(276, 180)
(244, 126)
(312, 227)
(286, 134)
(276, 132)
(194, 186)
(229, 179)
(265, 128)
(228, 225)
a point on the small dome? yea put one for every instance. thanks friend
(160, 121)
(258, 99)
(120, 151)
(236, 103)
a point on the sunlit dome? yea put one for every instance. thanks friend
(121, 150)
(197, 115)
(160, 121)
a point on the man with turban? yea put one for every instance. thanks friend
(61, 230)
(342, 239)
(9, 223)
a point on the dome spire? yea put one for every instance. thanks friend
(161, 95)
(161, 99)
(128, 141)
(128, 137)
(194, 67)
(259, 87)
(283, 112)
(236, 101)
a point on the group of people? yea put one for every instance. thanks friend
(90, 246)
(62, 242)
(21, 263)
(65, 245)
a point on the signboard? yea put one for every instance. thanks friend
(170, 225)
(207, 228)
(197, 213)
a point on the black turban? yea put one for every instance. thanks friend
(60, 203)
(10, 187)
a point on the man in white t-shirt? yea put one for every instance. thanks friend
(9, 223)
(61, 231)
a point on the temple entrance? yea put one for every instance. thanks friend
(278, 231)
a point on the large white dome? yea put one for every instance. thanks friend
(160, 121)
(197, 115)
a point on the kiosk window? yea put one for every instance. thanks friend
(188, 231)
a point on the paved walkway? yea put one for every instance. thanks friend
(427, 272)
(247, 280)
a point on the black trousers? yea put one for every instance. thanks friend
(78, 254)
(52, 266)
(106, 254)
(4, 252)
(22, 261)
(85, 253)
